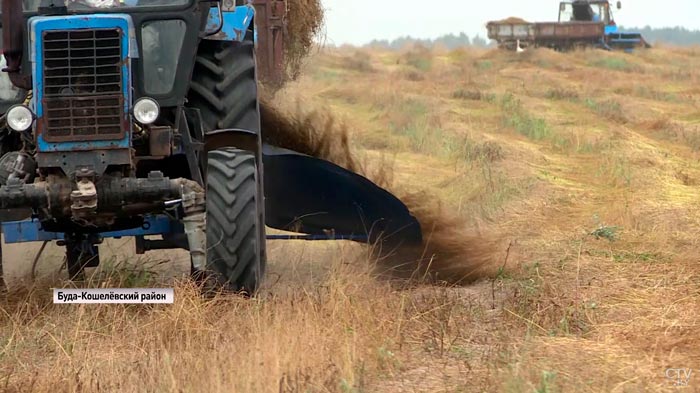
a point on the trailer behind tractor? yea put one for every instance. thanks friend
(581, 24)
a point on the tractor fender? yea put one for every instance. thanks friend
(229, 24)
(232, 137)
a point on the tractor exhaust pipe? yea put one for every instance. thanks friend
(13, 42)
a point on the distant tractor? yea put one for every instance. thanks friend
(581, 24)
(141, 118)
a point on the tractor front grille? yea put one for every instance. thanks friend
(83, 96)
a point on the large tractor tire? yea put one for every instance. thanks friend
(233, 223)
(224, 89)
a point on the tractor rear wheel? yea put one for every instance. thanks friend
(224, 89)
(3, 284)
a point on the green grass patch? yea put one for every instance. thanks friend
(592, 146)
(459, 55)
(473, 95)
(422, 134)
(613, 63)
(419, 58)
(436, 142)
(483, 65)
(656, 95)
(637, 257)
(616, 171)
(359, 61)
(608, 233)
(562, 94)
(608, 109)
(326, 75)
(532, 127)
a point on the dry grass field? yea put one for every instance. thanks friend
(584, 168)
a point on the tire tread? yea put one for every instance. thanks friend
(224, 89)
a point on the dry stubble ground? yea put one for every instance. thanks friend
(587, 162)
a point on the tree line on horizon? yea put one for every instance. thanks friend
(668, 35)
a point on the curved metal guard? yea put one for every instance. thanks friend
(307, 195)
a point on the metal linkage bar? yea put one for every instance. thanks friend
(31, 230)
(356, 238)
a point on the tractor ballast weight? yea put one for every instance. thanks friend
(141, 118)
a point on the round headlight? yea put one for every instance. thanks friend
(146, 111)
(20, 118)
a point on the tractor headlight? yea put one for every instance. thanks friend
(20, 118)
(146, 111)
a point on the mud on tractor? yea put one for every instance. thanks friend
(141, 118)
(581, 24)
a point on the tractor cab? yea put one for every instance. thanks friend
(595, 11)
(585, 11)
(158, 31)
(600, 11)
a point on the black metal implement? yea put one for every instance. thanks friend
(355, 238)
(307, 195)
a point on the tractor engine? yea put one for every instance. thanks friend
(85, 120)
(69, 162)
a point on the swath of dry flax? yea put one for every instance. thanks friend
(450, 252)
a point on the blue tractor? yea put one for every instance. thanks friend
(600, 11)
(581, 24)
(141, 118)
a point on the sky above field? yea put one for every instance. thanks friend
(360, 21)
